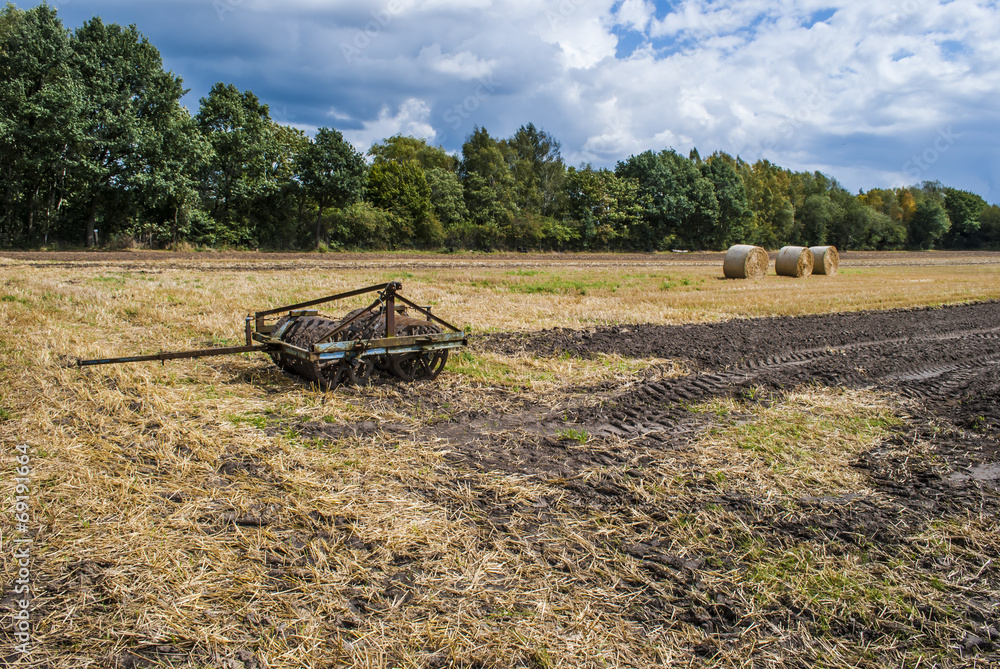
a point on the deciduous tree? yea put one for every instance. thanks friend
(244, 152)
(128, 102)
(929, 224)
(489, 189)
(332, 173)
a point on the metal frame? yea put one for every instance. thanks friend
(268, 337)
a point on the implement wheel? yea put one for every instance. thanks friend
(359, 371)
(418, 366)
(335, 375)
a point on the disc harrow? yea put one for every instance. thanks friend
(392, 337)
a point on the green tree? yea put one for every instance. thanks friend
(280, 216)
(448, 199)
(244, 153)
(402, 149)
(606, 207)
(666, 208)
(963, 209)
(767, 188)
(681, 207)
(929, 224)
(40, 122)
(332, 173)
(128, 101)
(174, 181)
(537, 168)
(362, 225)
(489, 189)
(815, 218)
(401, 189)
(735, 222)
(989, 225)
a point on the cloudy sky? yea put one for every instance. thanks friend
(876, 93)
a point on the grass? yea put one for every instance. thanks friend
(579, 436)
(217, 513)
(528, 373)
(806, 442)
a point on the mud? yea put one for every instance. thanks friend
(944, 361)
(944, 364)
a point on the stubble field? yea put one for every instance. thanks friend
(635, 463)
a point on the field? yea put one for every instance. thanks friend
(635, 463)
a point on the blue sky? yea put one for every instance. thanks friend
(877, 94)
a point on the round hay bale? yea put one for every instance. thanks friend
(744, 261)
(826, 260)
(794, 261)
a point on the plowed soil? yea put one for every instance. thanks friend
(943, 362)
(946, 359)
(220, 514)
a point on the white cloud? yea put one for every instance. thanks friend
(635, 14)
(410, 120)
(753, 77)
(464, 65)
(580, 28)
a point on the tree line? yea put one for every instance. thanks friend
(96, 149)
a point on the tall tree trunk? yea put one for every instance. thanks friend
(91, 222)
(319, 225)
(30, 232)
(177, 209)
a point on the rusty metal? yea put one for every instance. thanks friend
(200, 353)
(331, 352)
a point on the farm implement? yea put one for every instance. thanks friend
(383, 337)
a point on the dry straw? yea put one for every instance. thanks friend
(744, 261)
(219, 513)
(826, 260)
(794, 261)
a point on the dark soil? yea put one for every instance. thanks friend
(589, 447)
(945, 361)
(945, 358)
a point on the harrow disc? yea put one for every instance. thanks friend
(413, 366)
(302, 333)
(360, 371)
(416, 366)
(307, 331)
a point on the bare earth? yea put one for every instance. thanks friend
(593, 483)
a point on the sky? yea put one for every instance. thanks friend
(876, 93)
